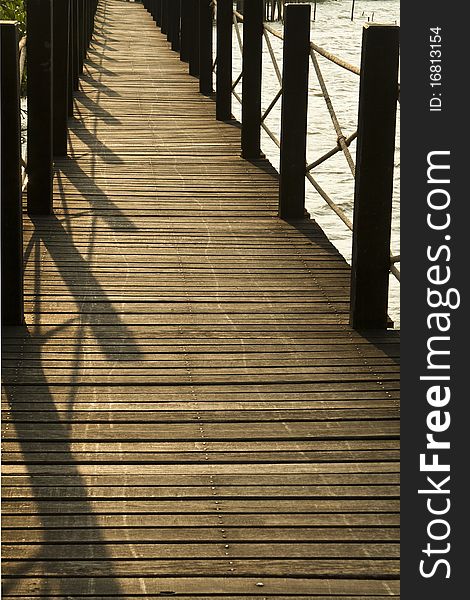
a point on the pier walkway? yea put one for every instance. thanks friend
(187, 411)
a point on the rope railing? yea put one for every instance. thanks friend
(52, 77)
(372, 260)
(271, 106)
(343, 141)
(328, 55)
(22, 56)
(335, 59)
(348, 141)
(237, 18)
(329, 104)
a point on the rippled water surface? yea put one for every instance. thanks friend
(334, 31)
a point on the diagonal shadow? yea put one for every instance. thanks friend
(84, 513)
(96, 83)
(315, 234)
(98, 66)
(52, 234)
(93, 52)
(98, 111)
(57, 241)
(96, 146)
(59, 245)
(91, 193)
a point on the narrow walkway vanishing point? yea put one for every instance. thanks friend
(187, 411)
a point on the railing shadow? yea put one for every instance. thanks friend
(51, 248)
(99, 66)
(97, 110)
(41, 563)
(61, 248)
(312, 231)
(50, 234)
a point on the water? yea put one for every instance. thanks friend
(333, 31)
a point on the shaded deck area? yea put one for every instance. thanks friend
(187, 411)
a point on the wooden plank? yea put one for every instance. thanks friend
(311, 467)
(168, 479)
(200, 535)
(187, 411)
(202, 586)
(127, 522)
(144, 492)
(249, 551)
(151, 506)
(207, 567)
(229, 597)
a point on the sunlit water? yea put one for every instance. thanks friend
(334, 31)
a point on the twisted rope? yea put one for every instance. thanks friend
(343, 142)
(334, 119)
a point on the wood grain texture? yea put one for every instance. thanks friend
(187, 411)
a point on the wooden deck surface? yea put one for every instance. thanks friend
(187, 412)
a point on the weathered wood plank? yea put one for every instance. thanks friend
(187, 411)
(203, 586)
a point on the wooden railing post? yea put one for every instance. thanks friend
(81, 43)
(91, 20)
(70, 69)
(251, 82)
(205, 47)
(87, 23)
(60, 76)
(173, 24)
(170, 20)
(164, 16)
(75, 41)
(175, 41)
(378, 97)
(85, 29)
(194, 50)
(39, 61)
(186, 30)
(10, 153)
(224, 60)
(294, 111)
(158, 12)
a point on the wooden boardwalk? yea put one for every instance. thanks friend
(187, 412)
